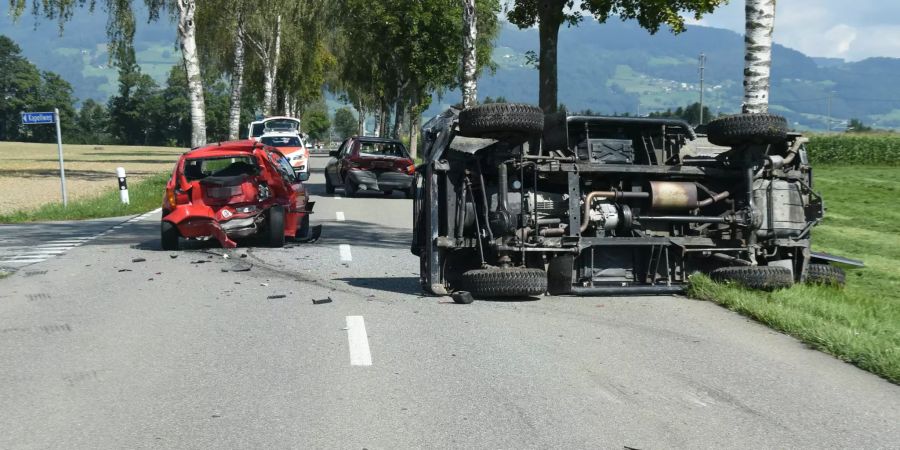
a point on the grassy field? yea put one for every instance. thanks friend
(29, 173)
(144, 195)
(859, 324)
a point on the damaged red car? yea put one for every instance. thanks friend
(234, 190)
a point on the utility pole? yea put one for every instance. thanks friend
(702, 68)
(828, 110)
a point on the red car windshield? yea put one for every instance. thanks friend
(200, 168)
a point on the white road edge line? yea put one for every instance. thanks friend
(359, 342)
(340, 216)
(345, 252)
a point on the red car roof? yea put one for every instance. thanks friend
(224, 149)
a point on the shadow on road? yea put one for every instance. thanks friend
(399, 285)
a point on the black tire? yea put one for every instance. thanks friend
(168, 236)
(411, 192)
(755, 277)
(513, 282)
(329, 188)
(825, 274)
(747, 129)
(501, 121)
(349, 189)
(303, 230)
(275, 227)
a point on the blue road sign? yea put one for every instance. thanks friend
(34, 118)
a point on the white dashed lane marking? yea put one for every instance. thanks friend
(345, 252)
(13, 256)
(360, 355)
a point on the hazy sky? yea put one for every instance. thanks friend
(850, 29)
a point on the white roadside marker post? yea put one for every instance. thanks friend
(123, 185)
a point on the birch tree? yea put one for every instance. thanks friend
(470, 58)
(760, 24)
(187, 38)
(120, 29)
(265, 40)
(237, 83)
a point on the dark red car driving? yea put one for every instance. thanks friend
(233, 190)
(370, 164)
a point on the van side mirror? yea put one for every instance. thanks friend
(303, 176)
(333, 153)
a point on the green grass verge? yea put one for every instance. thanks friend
(144, 195)
(859, 324)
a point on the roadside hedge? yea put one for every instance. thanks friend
(866, 149)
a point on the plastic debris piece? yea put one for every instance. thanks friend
(137, 260)
(276, 296)
(322, 301)
(462, 297)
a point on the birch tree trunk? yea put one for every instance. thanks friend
(271, 71)
(470, 33)
(237, 84)
(414, 132)
(378, 120)
(188, 40)
(760, 23)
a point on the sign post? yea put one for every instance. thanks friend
(38, 118)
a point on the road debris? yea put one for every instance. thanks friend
(124, 270)
(173, 256)
(200, 261)
(462, 297)
(271, 297)
(322, 301)
(238, 268)
(137, 260)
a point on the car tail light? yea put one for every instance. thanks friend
(356, 164)
(170, 198)
(175, 197)
(411, 169)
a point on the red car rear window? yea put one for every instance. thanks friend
(200, 168)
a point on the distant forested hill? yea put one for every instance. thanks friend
(612, 68)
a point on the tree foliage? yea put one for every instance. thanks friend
(25, 88)
(345, 123)
(690, 114)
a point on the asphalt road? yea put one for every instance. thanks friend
(181, 351)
